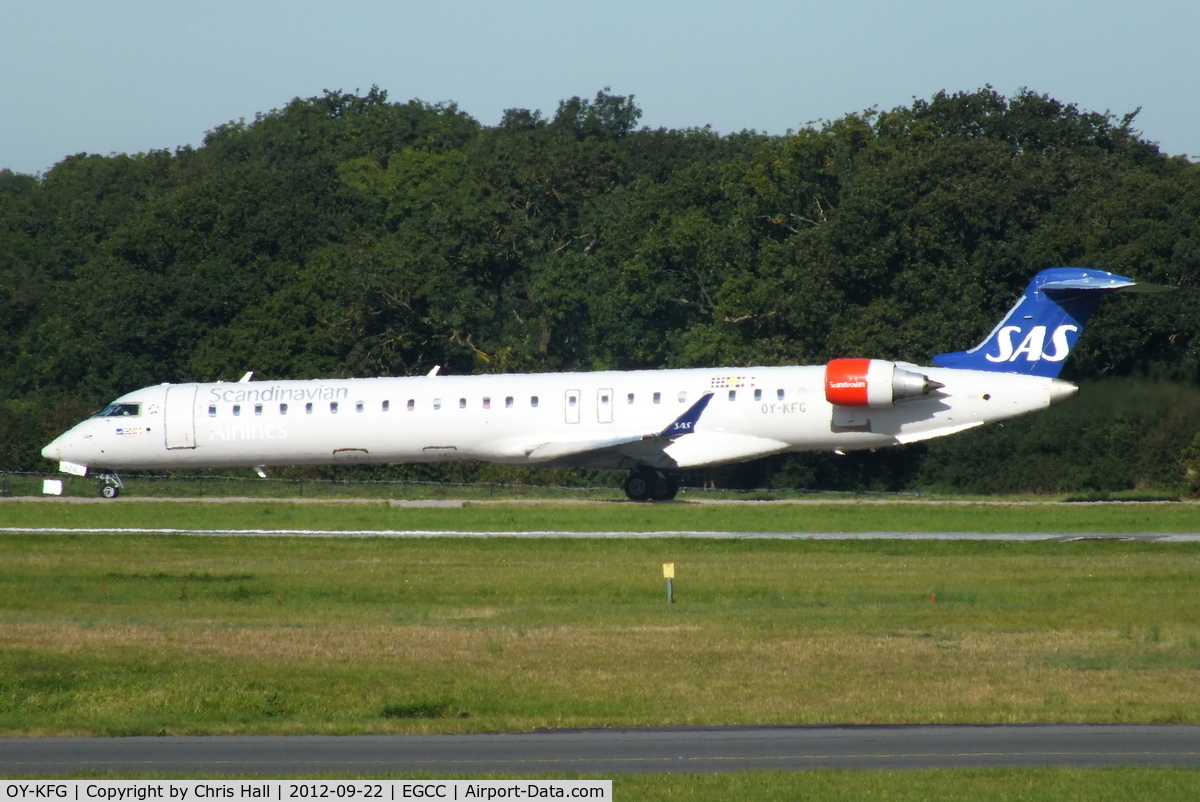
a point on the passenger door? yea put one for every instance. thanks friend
(179, 418)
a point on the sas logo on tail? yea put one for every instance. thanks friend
(1034, 344)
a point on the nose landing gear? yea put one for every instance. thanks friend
(651, 486)
(111, 485)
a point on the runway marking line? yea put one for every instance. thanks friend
(563, 533)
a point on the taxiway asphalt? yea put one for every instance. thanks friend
(1161, 537)
(653, 750)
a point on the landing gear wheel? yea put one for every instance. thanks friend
(664, 488)
(660, 488)
(644, 485)
(637, 486)
(111, 485)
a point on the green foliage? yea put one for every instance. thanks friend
(1115, 436)
(348, 235)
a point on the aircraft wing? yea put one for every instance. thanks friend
(646, 448)
(678, 445)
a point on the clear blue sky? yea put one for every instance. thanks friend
(126, 76)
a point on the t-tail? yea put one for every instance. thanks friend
(1038, 333)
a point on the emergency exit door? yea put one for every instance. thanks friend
(604, 405)
(572, 406)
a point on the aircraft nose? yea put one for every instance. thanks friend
(54, 449)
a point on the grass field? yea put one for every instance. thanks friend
(126, 634)
(616, 516)
(602, 486)
(977, 785)
(174, 634)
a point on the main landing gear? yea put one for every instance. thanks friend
(651, 485)
(111, 485)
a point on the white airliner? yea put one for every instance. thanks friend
(653, 423)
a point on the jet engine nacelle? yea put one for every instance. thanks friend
(873, 383)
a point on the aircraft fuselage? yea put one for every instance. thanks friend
(556, 419)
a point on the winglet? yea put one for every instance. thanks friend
(685, 423)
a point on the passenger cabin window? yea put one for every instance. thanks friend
(658, 398)
(386, 405)
(733, 395)
(572, 401)
(758, 395)
(358, 406)
(779, 394)
(682, 397)
(283, 409)
(508, 401)
(487, 402)
(333, 407)
(212, 412)
(533, 401)
(437, 403)
(258, 409)
(412, 404)
(237, 409)
(629, 398)
(308, 408)
(462, 403)
(120, 411)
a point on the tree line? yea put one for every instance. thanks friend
(349, 235)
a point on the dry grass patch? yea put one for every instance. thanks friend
(598, 676)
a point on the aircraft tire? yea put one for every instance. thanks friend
(662, 488)
(109, 491)
(639, 485)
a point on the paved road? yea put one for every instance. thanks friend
(654, 750)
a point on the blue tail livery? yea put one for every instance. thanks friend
(1036, 335)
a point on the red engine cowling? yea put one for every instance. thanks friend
(873, 383)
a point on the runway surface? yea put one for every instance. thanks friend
(1163, 537)
(655, 750)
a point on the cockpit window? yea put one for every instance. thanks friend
(120, 411)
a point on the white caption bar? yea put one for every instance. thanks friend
(286, 790)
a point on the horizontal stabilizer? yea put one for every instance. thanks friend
(1114, 283)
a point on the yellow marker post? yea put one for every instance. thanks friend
(669, 574)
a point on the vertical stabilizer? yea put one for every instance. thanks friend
(1038, 333)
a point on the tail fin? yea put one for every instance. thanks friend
(1036, 335)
